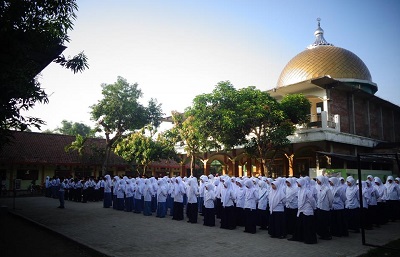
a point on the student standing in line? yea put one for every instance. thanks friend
(107, 199)
(324, 206)
(162, 193)
(121, 195)
(250, 207)
(397, 181)
(78, 190)
(61, 193)
(85, 190)
(115, 190)
(209, 210)
(352, 205)
(170, 199)
(277, 200)
(291, 205)
(154, 187)
(240, 195)
(101, 193)
(393, 196)
(139, 195)
(218, 188)
(147, 197)
(53, 187)
(71, 189)
(372, 204)
(179, 191)
(96, 195)
(381, 201)
(262, 205)
(337, 222)
(305, 225)
(200, 200)
(129, 192)
(192, 192)
(66, 189)
(228, 220)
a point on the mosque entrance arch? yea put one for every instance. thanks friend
(216, 167)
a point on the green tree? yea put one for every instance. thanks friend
(32, 35)
(142, 149)
(248, 118)
(186, 134)
(296, 107)
(121, 112)
(78, 145)
(74, 128)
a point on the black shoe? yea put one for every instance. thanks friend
(291, 239)
(60, 207)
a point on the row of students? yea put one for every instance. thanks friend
(76, 189)
(303, 208)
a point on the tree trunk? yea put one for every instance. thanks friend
(192, 164)
(144, 169)
(105, 163)
(264, 168)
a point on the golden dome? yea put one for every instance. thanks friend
(323, 59)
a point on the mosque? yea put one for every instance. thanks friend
(346, 119)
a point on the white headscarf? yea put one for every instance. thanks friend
(305, 196)
(292, 190)
(351, 190)
(390, 186)
(227, 192)
(324, 192)
(336, 185)
(276, 195)
(250, 188)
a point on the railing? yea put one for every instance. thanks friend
(321, 120)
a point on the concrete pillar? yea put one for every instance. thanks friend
(224, 170)
(240, 171)
(206, 166)
(324, 120)
(234, 169)
(290, 159)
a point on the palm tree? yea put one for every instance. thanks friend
(77, 145)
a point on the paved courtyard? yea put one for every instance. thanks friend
(117, 233)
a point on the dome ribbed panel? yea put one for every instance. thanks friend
(320, 61)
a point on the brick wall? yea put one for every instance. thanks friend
(367, 125)
(339, 105)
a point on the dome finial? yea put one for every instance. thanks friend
(319, 37)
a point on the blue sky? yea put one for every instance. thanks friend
(176, 50)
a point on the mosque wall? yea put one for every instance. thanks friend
(396, 125)
(360, 116)
(387, 123)
(367, 117)
(339, 104)
(375, 120)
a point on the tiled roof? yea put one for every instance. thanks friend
(31, 147)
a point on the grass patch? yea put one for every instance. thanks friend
(391, 249)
